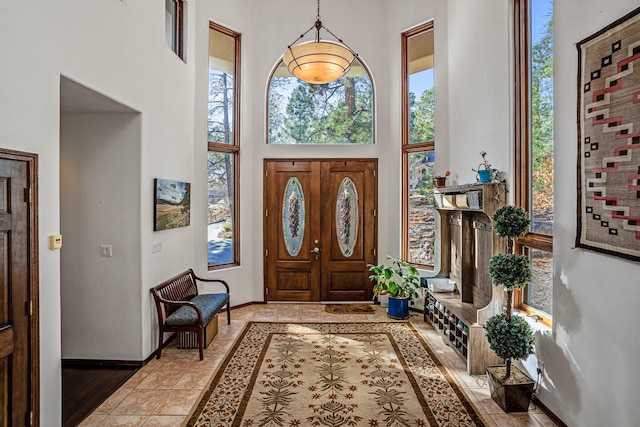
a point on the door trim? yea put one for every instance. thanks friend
(31, 161)
(266, 161)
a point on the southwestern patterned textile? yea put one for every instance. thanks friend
(333, 374)
(609, 139)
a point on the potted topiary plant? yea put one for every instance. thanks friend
(400, 281)
(510, 337)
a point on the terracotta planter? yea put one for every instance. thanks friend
(510, 397)
(398, 308)
(441, 181)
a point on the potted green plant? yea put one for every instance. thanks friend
(400, 281)
(510, 337)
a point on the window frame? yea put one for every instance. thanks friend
(233, 148)
(522, 138)
(407, 147)
(177, 27)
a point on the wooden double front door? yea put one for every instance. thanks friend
(320, 229)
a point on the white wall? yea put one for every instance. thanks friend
(589, 355)
(100, 205)
(116, 48)
(594, 347)
(479, 90)
(29, 122)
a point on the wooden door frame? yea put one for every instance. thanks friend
(31, 161)
(265, 161)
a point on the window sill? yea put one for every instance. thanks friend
(536, 322)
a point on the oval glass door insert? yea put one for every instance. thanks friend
(347, 216)
(293, 214)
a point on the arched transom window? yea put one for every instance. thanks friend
(340, 112)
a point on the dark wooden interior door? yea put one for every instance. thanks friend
(15, 308)
(320, 229)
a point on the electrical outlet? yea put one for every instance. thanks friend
(156, 247)
(106, 251)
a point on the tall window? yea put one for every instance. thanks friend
(340, 112)
(418, 145)
(174, 26)
(534, 147)
(224, 148)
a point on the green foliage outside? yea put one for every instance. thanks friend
(339, 112)
(421, 170)
(542, 98)
(422, 117)
(542, 130)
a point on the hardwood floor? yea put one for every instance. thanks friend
(84, 389)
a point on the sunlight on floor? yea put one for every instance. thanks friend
(164, 392)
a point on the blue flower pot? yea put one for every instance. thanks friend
(484, 175)
(398, 308)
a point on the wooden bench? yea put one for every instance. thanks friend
(181, 309)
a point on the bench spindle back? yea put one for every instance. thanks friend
(180, 288)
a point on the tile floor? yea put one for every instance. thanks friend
(163, 392)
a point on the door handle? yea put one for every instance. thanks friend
(315, 250)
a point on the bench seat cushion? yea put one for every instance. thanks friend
(209, 305)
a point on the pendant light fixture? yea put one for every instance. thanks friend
(317, 61)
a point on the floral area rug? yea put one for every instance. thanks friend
(332, 374)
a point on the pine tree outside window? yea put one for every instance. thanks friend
(534, 148)
(340, 112)
(418, 146)
(223, 148)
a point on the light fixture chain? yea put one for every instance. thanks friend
(319, 62)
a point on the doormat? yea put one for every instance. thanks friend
(333, 374)
(349, 308)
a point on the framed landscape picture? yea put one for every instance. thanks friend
(172, 204)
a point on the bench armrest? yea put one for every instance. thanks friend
(202, 279)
